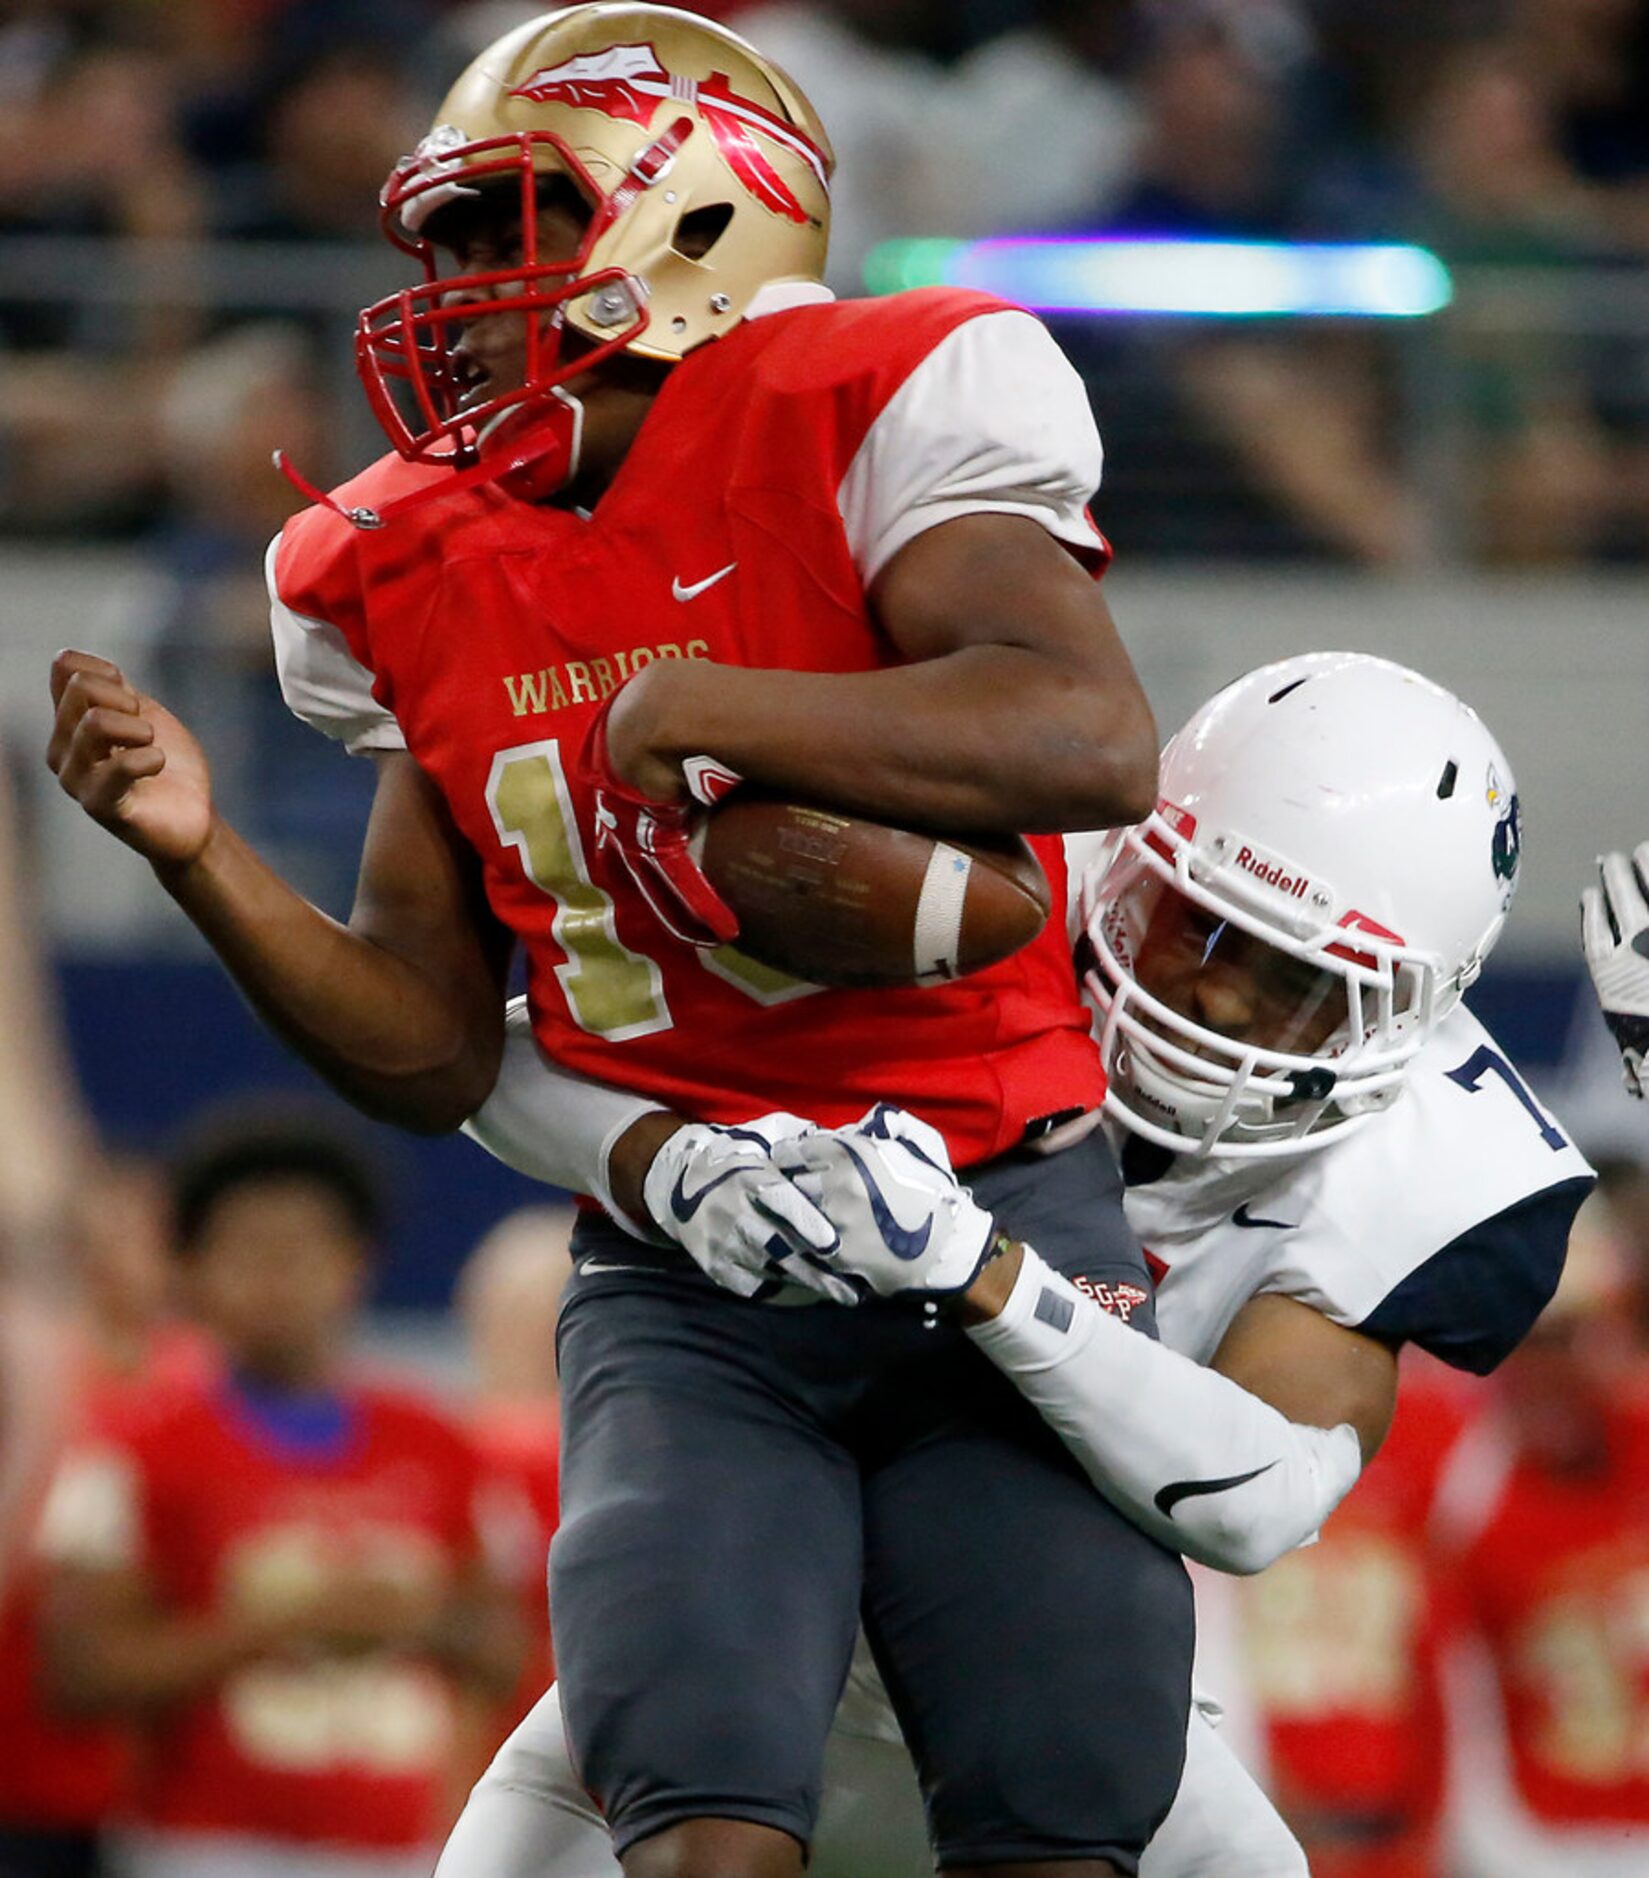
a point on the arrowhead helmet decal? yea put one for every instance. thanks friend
(629, 82)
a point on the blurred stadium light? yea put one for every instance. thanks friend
(1211, 279)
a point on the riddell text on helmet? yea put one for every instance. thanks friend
(1273, 873)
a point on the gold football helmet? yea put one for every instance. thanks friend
(706, 175)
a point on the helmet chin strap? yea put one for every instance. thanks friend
(544, 445)
(532, 451)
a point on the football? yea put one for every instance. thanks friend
(837, 899)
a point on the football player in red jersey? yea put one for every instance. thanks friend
(1343, 1642)
(62, 1778)
(1288, 1267)
(841, 551)
(508, 1296)
(276, 1569)
(1544, 1520)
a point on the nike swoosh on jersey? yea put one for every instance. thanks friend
(683, 591)
(1254, 1222)
(1169, 1497)
(904, 1242)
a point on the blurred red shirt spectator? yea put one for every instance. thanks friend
(278, 1570)
(1545, 1518)
(508, 1296)
(1343, 1642)
(62, 1779)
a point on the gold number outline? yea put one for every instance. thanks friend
(610, 991)
(549, 818)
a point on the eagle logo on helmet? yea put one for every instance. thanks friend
(1506, 844)
(628, 82)
(1506, 847)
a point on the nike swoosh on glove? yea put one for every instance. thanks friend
(1614, 936)
(906, 1225)
(721, 1196)
(652, 840)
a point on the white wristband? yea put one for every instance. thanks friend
(555, 1126)
(1188, 1455)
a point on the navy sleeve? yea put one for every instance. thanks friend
(1473, 1302)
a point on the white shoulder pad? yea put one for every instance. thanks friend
(322, 680)
(1444, 1221)
(994, 420)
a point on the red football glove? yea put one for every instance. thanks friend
(651, 840)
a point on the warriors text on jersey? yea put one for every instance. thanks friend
(777, 473)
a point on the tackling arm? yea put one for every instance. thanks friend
(1234, 1464)
(1294, 1402)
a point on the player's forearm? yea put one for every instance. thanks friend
(133, 1667)
(386, 1037)
(989, 737)
(478, 1637)
(570, 1132)
(1201, 1464)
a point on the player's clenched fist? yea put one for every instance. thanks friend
(127, 761)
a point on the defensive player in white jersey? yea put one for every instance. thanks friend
(1328, 1157)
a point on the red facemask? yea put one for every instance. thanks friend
(407, 338)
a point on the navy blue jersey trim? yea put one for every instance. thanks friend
(1474, 1301)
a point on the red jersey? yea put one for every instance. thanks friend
(493, 628)
(1344, 1638)
(222, 1512)
(520, 1505)
(1556, 1569)
(63, 1773)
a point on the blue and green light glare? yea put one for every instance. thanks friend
(1206, 279)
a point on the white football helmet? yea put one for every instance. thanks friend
(1332, 856)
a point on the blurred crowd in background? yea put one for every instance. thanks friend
(253, 1588)
(144, 398)
(188, 223)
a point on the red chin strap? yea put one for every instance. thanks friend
(531, 452)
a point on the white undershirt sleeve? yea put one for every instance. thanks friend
(552, 1125)
(994, 420)
(1185, 1453)
(321, 679)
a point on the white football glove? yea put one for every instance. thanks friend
(719, 1194)
(1614, 935)
(905, 1223)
